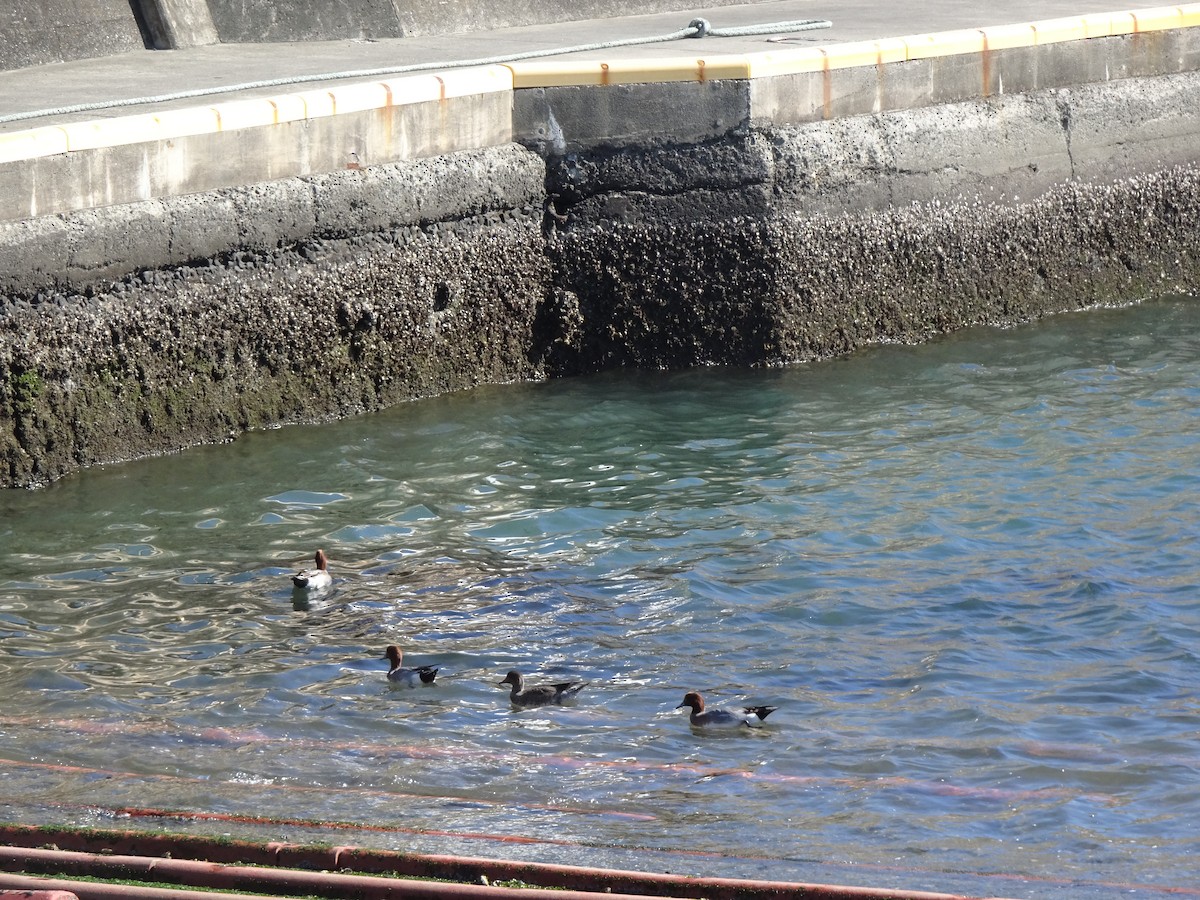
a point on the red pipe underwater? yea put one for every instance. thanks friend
(31, 887)
(270, 882)
(574, 882)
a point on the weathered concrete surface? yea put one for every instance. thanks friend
(166, 361)
(560, 120)
(50, 31)
(174, 24)
(302, 20)
(1003, 150)
(794, 243)
(196, 163)
(314, 298)
(755, 290)
(565, 119)
(81, 251)
(940, 80)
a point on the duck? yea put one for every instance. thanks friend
(746, 716)
(314, 579)
(414, 677)
(539, 694)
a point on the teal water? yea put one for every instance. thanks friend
(966, 573)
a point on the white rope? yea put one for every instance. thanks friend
(696, 29)
(706, 30)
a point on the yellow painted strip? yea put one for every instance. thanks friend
(865, 53)
(32, 144)
(363, 96)
(1122, 23)
(318, 103)
(1057, 31)
(1006, 37)
(139, 129)
(470, 82)
(178, 123)
(405, 91)
(944, 43)
(556, 74)
(788, 62)
(1157, 19)
(288, 108)
(1097, 25)
(948, 43)
(850, 55)
(238, 114)
(1189, 15)
(594, 72)
(108, 132)
(359, 96)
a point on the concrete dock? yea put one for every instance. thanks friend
(66, 129)
(181, 230)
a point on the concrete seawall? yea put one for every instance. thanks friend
(177, 277)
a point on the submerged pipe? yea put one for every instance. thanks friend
(574, 882)
(271, 882)
(32, 887)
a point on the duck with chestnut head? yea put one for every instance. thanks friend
(415, 676)
(317, 578)
(734, 717)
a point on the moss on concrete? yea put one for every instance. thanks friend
(152, 365)
(786, 286)
(718, 264)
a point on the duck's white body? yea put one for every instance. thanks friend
(413, 677)
(316, 579)
(740, 717)
(539, 694)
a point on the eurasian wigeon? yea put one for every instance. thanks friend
(748, 716)
(316, 579)
(539, 694)
(418, 675)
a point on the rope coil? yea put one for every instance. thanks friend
(697, 28)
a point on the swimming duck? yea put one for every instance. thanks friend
(314, 579)
(408, 677)
(750, 716)
(539, 694)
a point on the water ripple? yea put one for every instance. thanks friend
(965, 572)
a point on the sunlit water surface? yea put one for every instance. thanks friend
(966, 573)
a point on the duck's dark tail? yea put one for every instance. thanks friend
(761, 711)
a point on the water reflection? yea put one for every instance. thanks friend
(964, 572)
